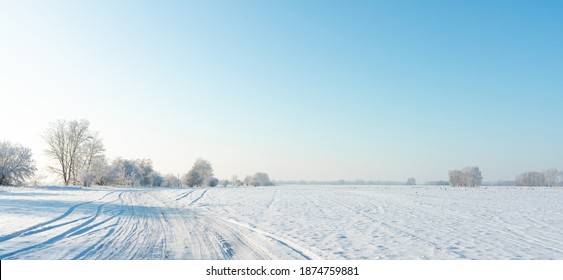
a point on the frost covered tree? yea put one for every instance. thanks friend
(192, 178)
(16, 163)
(235, 182)
(456, 177)
(247, 180)
(472, 176)
(260, 179)
(99, 173)
(551, 177)
(125, 173)
(149, 177)
(200, 174)
(411, 181)
(134, 173)
(171, 180)
(530, 178)
(467, 177)
(92, 159)
(73, 146)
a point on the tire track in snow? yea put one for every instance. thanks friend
(151, 225)
(43, 229)
(58, 237)
(33, 229)
(136, 236)
(121, 243)
(197, 199)
(234, 243)
(201, 236)
(271, 203)
(95, 247)
(183, 195)
(300, 250)
(222, 246)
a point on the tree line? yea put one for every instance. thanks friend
(78, 159)
(471, 177)
(547, 178)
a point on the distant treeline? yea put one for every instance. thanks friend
(409, 181)
(381, 183)
(337, 182)
(387, 183)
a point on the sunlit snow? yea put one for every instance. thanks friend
(282, 222)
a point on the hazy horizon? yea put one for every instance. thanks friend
(301, 90)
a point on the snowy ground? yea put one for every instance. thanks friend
(283, 222)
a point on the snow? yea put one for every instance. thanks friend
(282, 222)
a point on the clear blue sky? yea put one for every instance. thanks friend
(375, 90)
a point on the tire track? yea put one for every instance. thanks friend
(300, 250)
(198, 198)
(183, 195)
(58, 237)
(208, 238)
(95, 247)
(33, 229)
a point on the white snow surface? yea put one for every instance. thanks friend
(282, 222)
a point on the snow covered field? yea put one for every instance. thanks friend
(282, 222)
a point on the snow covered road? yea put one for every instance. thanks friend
(283, 222)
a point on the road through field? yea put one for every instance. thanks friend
(137, 224)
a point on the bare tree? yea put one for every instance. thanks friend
(73, 147)
(16, 163)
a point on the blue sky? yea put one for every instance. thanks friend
(314, 90)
